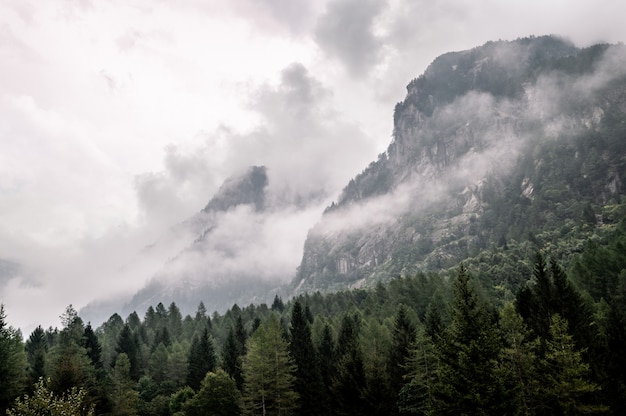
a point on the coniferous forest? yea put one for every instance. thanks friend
(431, 344)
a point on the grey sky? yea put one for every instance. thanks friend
(119, 119)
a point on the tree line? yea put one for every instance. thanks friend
(433, 344)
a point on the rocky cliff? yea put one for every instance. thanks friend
(490, 146)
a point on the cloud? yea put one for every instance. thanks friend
(475, 136)
(346, 31)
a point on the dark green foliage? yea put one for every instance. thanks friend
(36, 350)
(231, 358)
(92, 346)
(467, 355)
(269, 372)
(551, 293)
(403, 339)
(349, 381)
(12, 363)
(308, 383)
(201, 359)
(127, 344)
(218, 396)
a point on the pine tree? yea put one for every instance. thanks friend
(565, 385)
(518, 364)
(174, 322)
(416, 396)
(12, 363)
(349, 382)
(92, 346)
(308, 379)
(269, 372)
(201, 359)
(467, 356)
(231, 358)
(403, 338)
(36, 350)
(127, 344)
(326, 354)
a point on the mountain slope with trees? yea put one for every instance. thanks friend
(478, 267)
(509, 145)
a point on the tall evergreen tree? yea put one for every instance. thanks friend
(269, 372)
(566, 386)
(349, 382)
(12, 363)
(467, 355)
(174, 322)
(201, 359)
(241, 334)
(36, 350)
(326, 354)
(403, 338)
(308, 379)
(126, 344)
(92, 346)
(124, 396)
(416, 396)
(231, 358)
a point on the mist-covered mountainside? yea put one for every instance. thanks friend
(209, 268)
(510, 146)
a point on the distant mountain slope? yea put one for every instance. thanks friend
(210, 268)
(504, 143)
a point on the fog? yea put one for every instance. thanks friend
(121, 120)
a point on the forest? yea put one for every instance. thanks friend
(447, 343)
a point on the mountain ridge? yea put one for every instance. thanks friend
(462, 136)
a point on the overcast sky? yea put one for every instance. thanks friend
(121, 118)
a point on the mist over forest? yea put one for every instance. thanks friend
(475, 265)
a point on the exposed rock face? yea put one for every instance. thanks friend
(476, 136)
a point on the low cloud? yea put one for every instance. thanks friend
(347, 32)
(475, 136)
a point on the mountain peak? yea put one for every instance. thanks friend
(247, 188)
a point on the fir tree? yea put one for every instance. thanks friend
(467, 356)
(127, 344)
(403, 338)
(231, 358)
(201, 359)
(36, 350)
(92, 346)
(12, 363)
(308, 379)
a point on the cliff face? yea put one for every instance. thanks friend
(489, 145)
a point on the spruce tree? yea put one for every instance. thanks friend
(231, 358)
(308, 379)
(349, 382)
(92, 346)
(567, 389)
(12, 363)
(403, 338)
(36, 350)
(201, 359)
(127, 344)
(467, 355)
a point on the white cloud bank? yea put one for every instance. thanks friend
(120, 118)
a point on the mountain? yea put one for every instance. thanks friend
(513, 146)
(497, 152)
(202, 271)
